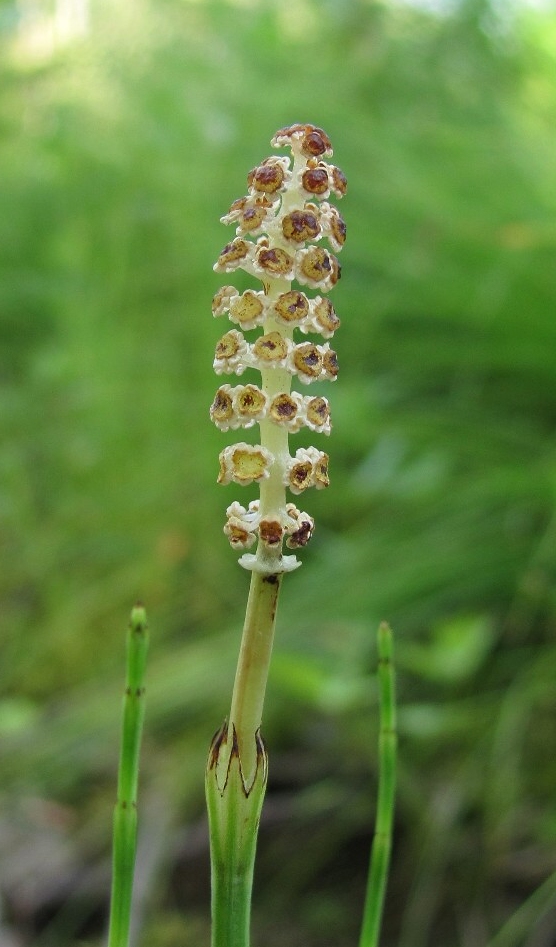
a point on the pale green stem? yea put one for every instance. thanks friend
(125, 812)
(237, 772)
(274, 437)
(252, 668)
(382, 842)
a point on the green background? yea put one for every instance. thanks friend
(121, 145)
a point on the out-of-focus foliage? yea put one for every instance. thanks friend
(127, 129)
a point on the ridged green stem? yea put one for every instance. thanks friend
(125, 812)
(382, 842)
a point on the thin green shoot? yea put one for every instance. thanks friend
(125, 812)
(382, 842)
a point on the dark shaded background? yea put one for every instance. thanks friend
(126, 131)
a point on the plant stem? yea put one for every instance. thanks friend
(252, 667)
(237, 772)
(125, 812)
(234, 813)
(382, 842)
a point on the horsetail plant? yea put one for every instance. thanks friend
(279, 226)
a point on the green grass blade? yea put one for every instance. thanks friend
(520, 927)
(125, 812)
(382, 842)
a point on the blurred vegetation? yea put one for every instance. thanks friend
(124, 137)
